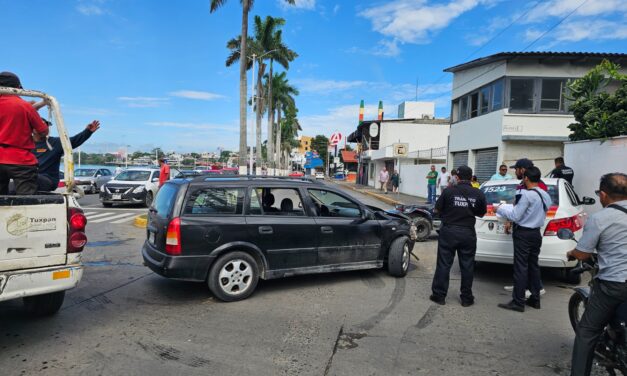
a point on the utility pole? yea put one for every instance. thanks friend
(252, 122)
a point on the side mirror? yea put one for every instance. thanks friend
(154, 180)
(588, 201)
(565, 234)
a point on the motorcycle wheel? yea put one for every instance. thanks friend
(576, 307)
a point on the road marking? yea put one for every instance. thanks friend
(125, 219)
(125, 209)
(94, 215)
(119, 216)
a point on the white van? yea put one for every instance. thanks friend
(566, 211)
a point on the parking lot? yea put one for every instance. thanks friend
(125, 320)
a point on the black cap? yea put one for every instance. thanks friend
(464, 172)
(9, 79)
(522, 163)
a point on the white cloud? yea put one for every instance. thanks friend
(576, 31)
(310, 85)
(143, 102)
(561, 8)
(200, 95)
(299, 4)
(416, 21)
(91, 7)
(336, 9)
(343, 119)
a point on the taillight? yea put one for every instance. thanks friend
(173, 238)
(573, 223)
(76, 238)
(61, 184)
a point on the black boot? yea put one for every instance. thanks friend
(512, 306)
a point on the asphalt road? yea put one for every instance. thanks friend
(124, 320)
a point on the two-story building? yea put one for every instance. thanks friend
(513, 105)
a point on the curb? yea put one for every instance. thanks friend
(387, 200)
(141, 221)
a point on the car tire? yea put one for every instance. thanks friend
(399, 257)
(238, 267)
(107, 204)
(571, 278)
(45, 304)
(148, 199)
(423, 228)
(576, 307)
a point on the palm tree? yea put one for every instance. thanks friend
(246, 7)
(266, 44)
(289, 133)
(282, 100)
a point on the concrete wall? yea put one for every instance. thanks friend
(591, 160)
(418, 136)
(413, 181)
(550, 68)
(477, 133)
(536, 125)
(541, 153)
(416, 110)
(470, 79)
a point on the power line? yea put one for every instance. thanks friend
(554, 26)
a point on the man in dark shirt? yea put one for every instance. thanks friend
(18, 122)
(562, 171)
(49, 154)
(457, 206)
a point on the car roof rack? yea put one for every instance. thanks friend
(203, 178)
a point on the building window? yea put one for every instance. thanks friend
(497, 95)
(552, 97)
(463, 108)
(484, 100)
(521, 94)
(474, 105)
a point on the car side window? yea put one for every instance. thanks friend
(330, 204)
(276, 201)
(572, 195)
(215, 201)
(156, 174)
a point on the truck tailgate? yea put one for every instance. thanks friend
(33, 230)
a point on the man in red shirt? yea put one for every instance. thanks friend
(164, 172)
(18, 121)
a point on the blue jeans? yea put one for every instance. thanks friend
(432, 193)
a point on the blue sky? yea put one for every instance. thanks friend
(154, 71)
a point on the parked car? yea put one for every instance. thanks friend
(296, 174)
(319, 175)
(91, 179)
(566, 211)
(229, 232)
(133, 186)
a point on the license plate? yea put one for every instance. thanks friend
(151, 237)
(117, 197)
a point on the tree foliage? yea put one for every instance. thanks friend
(320, 143)
(598, 114)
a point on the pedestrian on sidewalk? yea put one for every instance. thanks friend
(384, 177)
(432, 178)
(395, 179)
(528, 216)
(443, 180)
(457, 206)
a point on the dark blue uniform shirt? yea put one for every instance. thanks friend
(50, 159)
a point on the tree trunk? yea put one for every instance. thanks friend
(243, 84)
(259, 104)
(270, 119)
(277, 140)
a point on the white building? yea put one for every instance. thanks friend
(426, 144)
(512, 105)
(416, 110)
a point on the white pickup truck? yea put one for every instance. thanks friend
(42, 236)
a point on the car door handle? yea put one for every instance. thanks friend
(326, 229)
(264, 230)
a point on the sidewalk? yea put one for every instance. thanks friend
(390, 198)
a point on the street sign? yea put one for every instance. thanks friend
(400, 149)
(335, 139)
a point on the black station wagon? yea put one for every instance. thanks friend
(229, 232)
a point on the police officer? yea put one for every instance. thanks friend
(528, 215)
(458, 206)
(562, 171)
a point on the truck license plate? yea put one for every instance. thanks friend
(117, 197)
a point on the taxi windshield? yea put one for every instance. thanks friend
(133, 176)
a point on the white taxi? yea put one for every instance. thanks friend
(566, 211)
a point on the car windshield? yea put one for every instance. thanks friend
(495, 193)
(133, 176)
(84, 172)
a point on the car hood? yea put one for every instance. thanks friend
(126, 182)
(390, 213)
